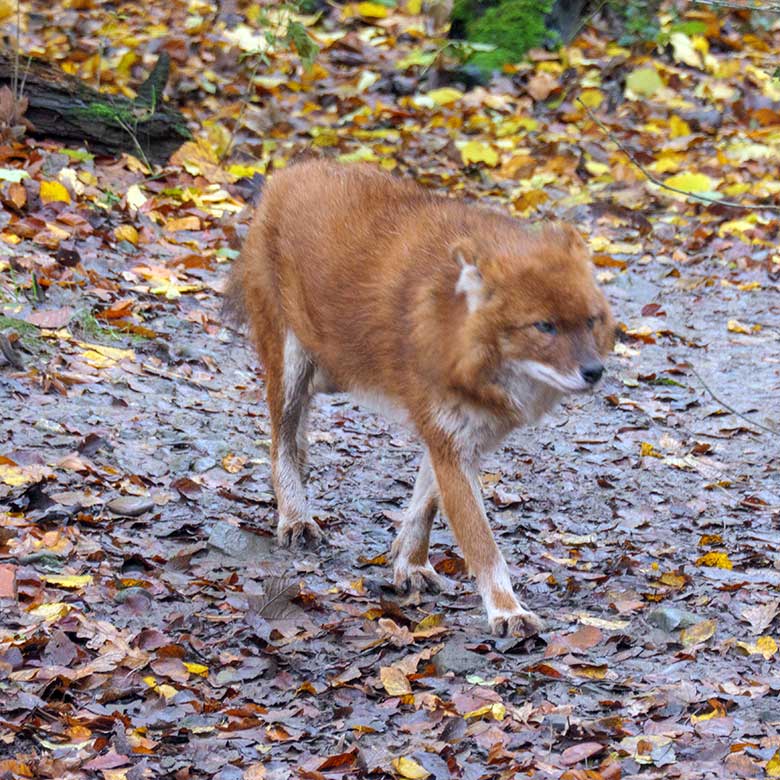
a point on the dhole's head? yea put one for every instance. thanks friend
(533, 298)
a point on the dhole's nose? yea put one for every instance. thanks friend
(591, 372)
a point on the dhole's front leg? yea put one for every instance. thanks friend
(462, 500)
(412, 571)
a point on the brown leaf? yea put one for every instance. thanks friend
(7, 581)
(541, 85)
(761, 616)
(394, 681)
(577, 753)
(51, 318)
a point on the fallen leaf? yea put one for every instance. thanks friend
(407, 767)
(394, 681)
(764, 645)
(698, 633)
(67, 580)
(478, 152)
(53, 191)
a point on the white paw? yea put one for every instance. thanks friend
(413, 578)
(298, 533)
(519, 622)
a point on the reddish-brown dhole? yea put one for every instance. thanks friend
(457, 318)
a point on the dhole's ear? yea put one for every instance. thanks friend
(470, 282)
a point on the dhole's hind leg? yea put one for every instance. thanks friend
(289, 393)
(412, 571)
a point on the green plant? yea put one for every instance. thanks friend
(637, 19)
(512, 27)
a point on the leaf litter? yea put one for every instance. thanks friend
(150, 625)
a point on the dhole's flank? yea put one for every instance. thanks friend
(458, 318)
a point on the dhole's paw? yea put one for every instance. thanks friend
(522, 622)
(411, 578)
(298, 533)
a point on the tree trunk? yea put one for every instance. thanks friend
(61, 106)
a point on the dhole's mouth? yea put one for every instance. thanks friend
(572, 382)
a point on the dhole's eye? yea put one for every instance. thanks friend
(591, 321)
(546, 327)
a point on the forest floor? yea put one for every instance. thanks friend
(149, 624)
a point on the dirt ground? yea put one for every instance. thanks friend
(151, 627)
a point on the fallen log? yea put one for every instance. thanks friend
(62, 106)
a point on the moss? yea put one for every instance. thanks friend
(20, 326)
(91, 329)
(105, 112)
(29, 335)
(512, 26)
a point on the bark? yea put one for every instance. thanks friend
(63, 107)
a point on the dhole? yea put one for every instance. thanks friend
(459, 318)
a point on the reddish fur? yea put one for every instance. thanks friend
(362, 268)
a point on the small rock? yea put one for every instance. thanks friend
(671, 618)
(454, 657)
(238, 543)
(48, 426)
(130, 506)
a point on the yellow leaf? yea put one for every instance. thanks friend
(407, 767)
(363, 153)
(592, 98)
(691, 182)
(7, 9)
(167, 691)
(13, 475)
(478, 713)
(68, 580)
(126, 233)
(478, 152)
(199, 669)
(765, 645)
(673, 580)
(430, 621)
(444, 96)
(183, 223)
(52, 191)
(373, 10)
(772, 768)
(134, 197)
(395, 681)
(683, 50)
(717, 711)
(596, 168)
(736, 227)
(735, 326)
(716, 560)
(678, 127)
(643, 82)
(51, 611)
(233, 463)
(698, 633)
(647, 450)
(99, 356)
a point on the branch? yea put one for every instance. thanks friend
(649, 176)
(737, 6)
(731, 409)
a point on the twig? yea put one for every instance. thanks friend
(736, 6)
(653, 180)
(731, 408)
